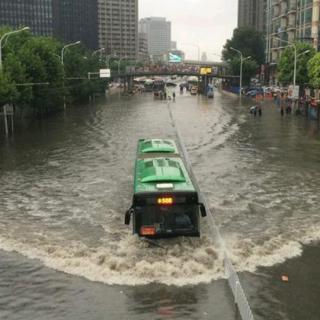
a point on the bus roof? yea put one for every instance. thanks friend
(147, 146)
(161, 174)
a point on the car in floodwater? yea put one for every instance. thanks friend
(165, 201)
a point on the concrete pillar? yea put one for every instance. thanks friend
(130, 84)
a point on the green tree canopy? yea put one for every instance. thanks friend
(78, 63)
(7, 90)
(29, 61)
(286, 64)
(247, 40)
(314, 71)
(249, 69)
(250, 43)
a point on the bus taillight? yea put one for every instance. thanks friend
(147, 231)
(165, 201)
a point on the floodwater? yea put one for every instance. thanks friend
(67, 181)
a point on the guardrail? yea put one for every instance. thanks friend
(240, 297)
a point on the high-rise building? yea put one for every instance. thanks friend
(143, 47)
(36, 14)
(68, 20)
(291, 20)
(118, 27)
(251, 13)
(204, 57)
(76, 20)
(158, 32)
(173, 45)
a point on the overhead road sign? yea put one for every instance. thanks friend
(105, 73)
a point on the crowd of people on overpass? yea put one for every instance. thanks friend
(172, 68)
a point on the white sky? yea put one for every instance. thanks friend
(206, 23)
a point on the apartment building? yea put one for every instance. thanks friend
(158, 31)
(118, 27)
(251, 13)
(289, 21)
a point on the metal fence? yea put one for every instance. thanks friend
(240, 297)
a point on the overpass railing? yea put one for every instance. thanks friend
(169, 73)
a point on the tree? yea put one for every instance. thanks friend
(247, 40)
(314, 71)
(250, 43)
(39, 56)
(7, 89)
(16, 71)
(34, 76)
(286, 64)
(249, 68)
(79, 62)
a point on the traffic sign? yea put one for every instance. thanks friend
(105, 73)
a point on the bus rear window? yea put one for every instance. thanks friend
(169, 217)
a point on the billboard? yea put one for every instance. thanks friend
(293, 92)
(175, 58)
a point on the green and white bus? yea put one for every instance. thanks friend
(165, 201)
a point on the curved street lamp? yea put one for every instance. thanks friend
(122, 58)
(99, 50)
(62, 62)
(296, 55)
(295, 58)
(65, 47)
(242, 59)
(6, 35)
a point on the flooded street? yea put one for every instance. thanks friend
(66, 182)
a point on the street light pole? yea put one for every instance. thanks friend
(241, 63)
(65, 47)
(7, 35)
(295, 59)
(99, 50)
(122, 58)
(62, 62)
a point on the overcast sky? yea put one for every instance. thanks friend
(207, 23)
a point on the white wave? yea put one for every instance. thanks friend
(179, 262)
(131, 261)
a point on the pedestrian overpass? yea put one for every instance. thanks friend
(203, 78)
